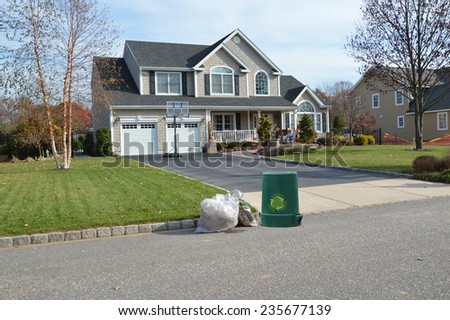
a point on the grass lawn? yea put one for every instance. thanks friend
(37, 198)
(375, 157)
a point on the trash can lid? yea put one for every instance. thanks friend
(279, 173)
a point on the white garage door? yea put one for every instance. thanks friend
(138, 139)
(188, 137)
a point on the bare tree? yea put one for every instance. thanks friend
(25, 22)
(72, 32)
(344, 105)
(84, 32)
(406, 43)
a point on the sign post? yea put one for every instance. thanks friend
(176, 109)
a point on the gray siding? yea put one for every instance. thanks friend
(255, 63)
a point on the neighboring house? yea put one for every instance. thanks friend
(228, 85)
(394, 113)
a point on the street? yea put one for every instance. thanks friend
(394, 251)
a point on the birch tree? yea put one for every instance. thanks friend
(27, 23)
(71, 32)
(84, 31)
(406, 43)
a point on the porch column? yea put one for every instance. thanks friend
(208, 119)
(328, 119)
(248, 120)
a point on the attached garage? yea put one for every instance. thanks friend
(138, 139)
(188, 140)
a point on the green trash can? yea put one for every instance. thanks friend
(280, 200)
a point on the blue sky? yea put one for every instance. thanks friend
(305, 38)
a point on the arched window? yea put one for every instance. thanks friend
(307, 107)
(261, 83)
(222, 80)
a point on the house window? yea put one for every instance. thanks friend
(222, 80)
(306, 107)
(400, 121)
(375, 100)
(358, 101)
(442, 121)
(168, 83)
(261, 83)
(223, 122)
(399, 98)
(289, 120)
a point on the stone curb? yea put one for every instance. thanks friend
(95, 233)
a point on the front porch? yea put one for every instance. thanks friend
(234, 135)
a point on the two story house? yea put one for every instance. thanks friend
(226, 85)
(394, 113)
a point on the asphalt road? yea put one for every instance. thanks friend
(397, 251)
(245, 173)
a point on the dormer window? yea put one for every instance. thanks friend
(168, 83)
(261, 83)
(222, 81)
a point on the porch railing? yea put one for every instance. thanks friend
(234, 135)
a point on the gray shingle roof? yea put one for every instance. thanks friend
(290, 87)
(172, 55)
(438, 97)
(158, 54)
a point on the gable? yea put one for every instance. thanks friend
(244, 52)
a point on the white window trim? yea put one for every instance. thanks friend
(395, 98)
(223, 114)
(168, 94)
(317, 115)
(398, 122)
(373, 104)
(446, 121)
(211, 84)
(268, 84)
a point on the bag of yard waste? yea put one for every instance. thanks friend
(219, 213)
(246, 217)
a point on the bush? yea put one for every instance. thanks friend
(305, 129)
(329, 140)
(264, 129)
(370, 139)
(445, 163)
(103, 146)
(233, 145)
(246, 144)
(442, 177)
(88, 144)
(426, 164)
(220, 146)
(361, 140)
(4, 150)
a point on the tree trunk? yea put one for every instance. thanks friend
(35, 25)
(418, 118)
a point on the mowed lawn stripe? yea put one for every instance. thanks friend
(36, 198)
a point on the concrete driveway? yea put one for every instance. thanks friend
(321, 189)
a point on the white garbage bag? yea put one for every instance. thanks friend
(219, 213)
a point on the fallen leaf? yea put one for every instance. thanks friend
(116, 288)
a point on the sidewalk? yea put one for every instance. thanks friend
(360, 194)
